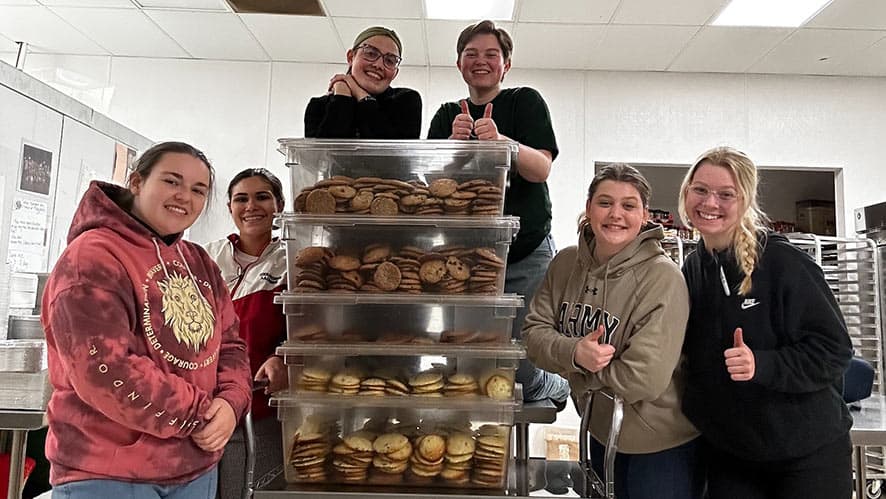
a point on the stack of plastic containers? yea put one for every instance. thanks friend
(400, 358)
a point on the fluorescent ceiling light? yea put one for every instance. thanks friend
(473, 10)
(769, 13)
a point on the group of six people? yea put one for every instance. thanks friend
(730, 370)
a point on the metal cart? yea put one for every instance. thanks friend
(595, 485)
(853, 273)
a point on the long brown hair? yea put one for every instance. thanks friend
(753, 219)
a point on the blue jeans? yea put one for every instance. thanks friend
(674, 473)
(202, 487)
(523, 278)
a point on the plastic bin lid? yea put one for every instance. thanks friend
(507, 300)
(386, 146)
(462, 350)
(507, 222)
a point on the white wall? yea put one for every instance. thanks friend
(235, 111)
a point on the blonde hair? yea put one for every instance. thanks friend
(752, 221)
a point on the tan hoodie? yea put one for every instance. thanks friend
(641, 298)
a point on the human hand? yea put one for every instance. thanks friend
(220, 423)
(591, 354)
(345, 84)
(275, 372)
(739, 359)
(485, 127)
(463, 124)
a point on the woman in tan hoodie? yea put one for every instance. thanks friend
(610, 316)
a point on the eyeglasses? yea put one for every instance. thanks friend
(371, 54)
(726, 196)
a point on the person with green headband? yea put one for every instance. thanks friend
(361, 102)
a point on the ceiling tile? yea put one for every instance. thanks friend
(675, 12)
(212, 5)
(210, 35)
(44, 31)
(856, 14)
(567, 11)
(575, 44)
(296, 38)
(410, 33)
(19, 2)
(122, 32)
(640, 48)
(443, 35)
(868, 62)
(722, 49)
(122, 4)
(803, 51)
(387, 9)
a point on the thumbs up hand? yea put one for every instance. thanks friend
(463, 124)
(485, 127)
(591, 354)
(739, 359)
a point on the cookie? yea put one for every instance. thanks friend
(432, 271)
(443, 187)
(310, 255)
(499, 387)
(383, 207)
(387, 276)
(389, 443)
(375, 253)
(457, 269)
(342, 191)
(320, 201)
(344, 263)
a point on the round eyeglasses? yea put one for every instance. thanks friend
(371, 54)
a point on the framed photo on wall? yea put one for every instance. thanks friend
(124, 157)
(35, 174)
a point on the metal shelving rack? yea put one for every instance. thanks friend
(677, 248)
(851, 268)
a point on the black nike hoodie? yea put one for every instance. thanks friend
(792, 324)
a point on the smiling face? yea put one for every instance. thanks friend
(253, 205)
(173, 195)
(616, 214)
(482, 64)
(373, 76)
(714, 218)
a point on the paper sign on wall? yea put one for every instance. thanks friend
(27, 236)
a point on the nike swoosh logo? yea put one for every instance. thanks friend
(745, 306)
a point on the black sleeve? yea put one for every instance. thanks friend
(533, 120)
(396, 118)
(330, 117)
(441, 124)
(817, 348)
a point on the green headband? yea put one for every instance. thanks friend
(378, 31)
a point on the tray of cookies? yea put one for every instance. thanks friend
(394, 446)
(397, 255)
(451, 322)
(405, 177)
(378, 377)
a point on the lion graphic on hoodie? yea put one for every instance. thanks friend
(186, 311)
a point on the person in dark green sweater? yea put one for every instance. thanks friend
(520, 114)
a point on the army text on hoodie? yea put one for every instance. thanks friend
(640, 297)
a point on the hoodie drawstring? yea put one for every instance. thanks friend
(723, 281)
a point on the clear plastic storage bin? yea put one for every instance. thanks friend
(393, 321)
(397, 371)
(362, 442)
(398, 177)
(411, 255)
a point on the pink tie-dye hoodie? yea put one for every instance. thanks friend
(141, 337)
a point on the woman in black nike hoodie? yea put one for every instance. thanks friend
(766, 347)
